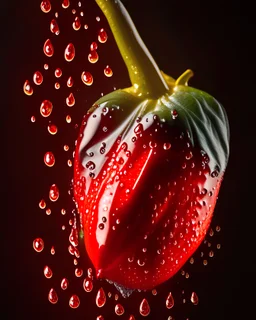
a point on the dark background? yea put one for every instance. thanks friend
(211, 39)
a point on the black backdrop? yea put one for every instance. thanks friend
(208, 38)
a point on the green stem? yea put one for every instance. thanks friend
(144, 73)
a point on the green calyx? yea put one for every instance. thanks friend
(198, 113)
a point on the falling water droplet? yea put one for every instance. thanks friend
(70, 82)
(119, 309)
(49, 159)
(102, 36)
(54, 27)
(70, 100)
(46, 108)
(93, 46)
(93, 56)
(52, 250)
(52, 296)
(42, 204)
(58, 72)
(74, 301)
(38, 244)
(47, 272)
(68, 118)
(45, 6)
(69, 53)
(33, 119)
(79, 272)
(169, 301)
(64, 284)
(100, 298)
(76, 24)
(52, 128)
(87, 285)
(38, 78)
(28, 90)
(65, 4)
(87, 78)
(108, 71)
(144, 308)
(194, 298)
(48, 48)
(54, 193)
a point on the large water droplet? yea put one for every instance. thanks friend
(87, 78)
(46, 108)
(48, 48)
(144, 308)
(100, 298)
(52, 296)
(65, 4)
(69, 53)
(45, 6)
(47, 272)
(169, 301)
(74, 301)
(87, 285)
(93, 56)
(119, 309)
(38, 244)
(52, 128)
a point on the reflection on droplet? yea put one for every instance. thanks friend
(52, 296)
(38, 244)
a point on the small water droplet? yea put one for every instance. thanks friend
(52, 128)
(47, 272)
(194, 298)
(74, 301)
(54, 193)
(144, 308)
(66, 147)
(93, 46)
(38, 244)
(87, 78)
(108, 71)
(70, 100)
(46, 108)
(79, 272)
(49, 159)
(76, 24)
(169, 301)
(42, 204)
(93, 56)
(65, 4)
(174, 114)
(100, 298)
(54, 27)
(52, 296)
(52, 250)
(100, 317)
(48, 48)
(167, 146)
(69, 53)
(87, 285)
(64, 284)
(28, 90)
(33, 119)
(68, 119)
(119, 309)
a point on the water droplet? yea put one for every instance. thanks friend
(93, 56)
(211, 254)
(100, 298)
(102, 36)
(38, 244)
(46, 108)
(52, 250)
(194, 298)
(54, 193)
(138, 129)
(97, 18)
(48, 211)
(64, 284)
(69, 53)
(38, 78)
(66, 147)
(52, 296)
(48, 48)
(87, 285)
(45, 6)
(119, 309)
(74, 301)
(144, 308)
(101, 226)
(70, 100)
(49, 159)
(69, 163)
(100, 317)
(205, 262)
(46, 66)
(54, 27)
(86, 26)
(191, 260)
(79, 272)
(87, 78)
(108, 71)
(28, 90)
(33, 119)
(169, 301)
(152, 144)
(76, 24)
(218, 228)
(47, 272)
(58, 72)
(70, 82)
(65, 4)
(68, 118)
(174, 114)
(52, 128)
(42, 204)
(93, 46)
(132, 317)
(167, 146)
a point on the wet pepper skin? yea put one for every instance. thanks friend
(149, 163)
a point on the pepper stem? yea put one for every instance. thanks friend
(144, 73)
